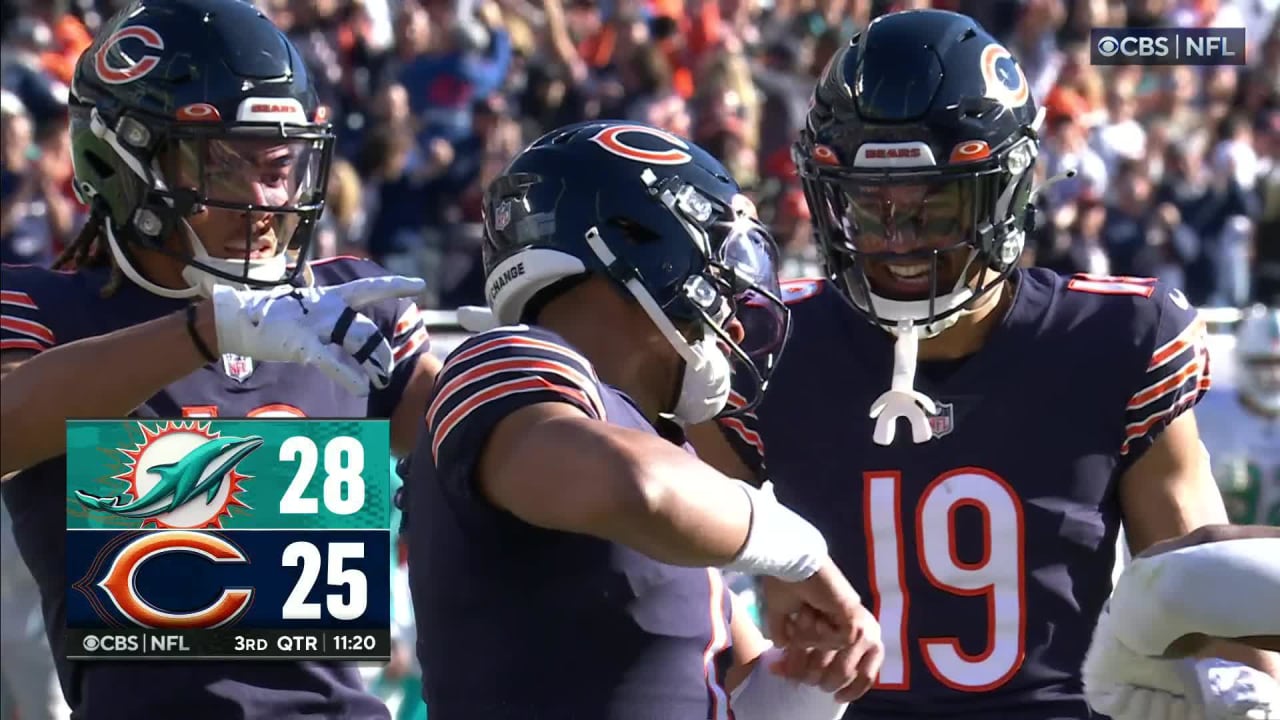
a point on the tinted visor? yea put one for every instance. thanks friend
(904, 219)
(263, 177)
(749, 252)
(741, 271)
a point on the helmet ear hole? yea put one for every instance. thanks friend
(633, 231)
(100, 167)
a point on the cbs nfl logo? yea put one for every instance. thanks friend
(1167, 46)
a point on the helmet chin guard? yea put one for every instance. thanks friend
(200, 282)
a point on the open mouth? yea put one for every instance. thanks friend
(905, 278)
(263, 245)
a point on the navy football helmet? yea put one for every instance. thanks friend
(917, 163)
(181, 105)
(662, 219)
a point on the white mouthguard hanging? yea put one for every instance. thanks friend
(902, 400)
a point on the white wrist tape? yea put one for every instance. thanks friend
(780, 544)
(765, 696)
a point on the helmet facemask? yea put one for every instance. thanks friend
(914, 248)
(921, 248)
(1260, 382)
(1257, 355)
(739, 268)
(273, 176)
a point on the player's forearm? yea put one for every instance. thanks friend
(631, 488)
(1267, 662)
(105, 376)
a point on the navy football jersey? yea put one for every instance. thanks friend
(44, 308)
(987, 552)
(527, 623)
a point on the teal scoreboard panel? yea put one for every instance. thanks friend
(262, 539)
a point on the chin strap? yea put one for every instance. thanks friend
(902, 399)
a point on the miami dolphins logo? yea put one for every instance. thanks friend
(181, 475)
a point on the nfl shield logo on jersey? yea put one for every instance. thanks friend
(237, 367)
(943, 420)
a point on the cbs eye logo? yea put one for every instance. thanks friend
(1108, 46)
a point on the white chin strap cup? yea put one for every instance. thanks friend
(902, 399)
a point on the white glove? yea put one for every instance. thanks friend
(1129, 686)
(1230, 690)
(317, 326)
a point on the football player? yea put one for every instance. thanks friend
(566, 545)
(1241, 429)
(199, 145)
(1168, 602)
(1040, 411)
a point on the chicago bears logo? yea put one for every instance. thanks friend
(611, 139)
(1003, 77)
(128, 68)
(121, 586)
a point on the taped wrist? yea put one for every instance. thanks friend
(780, 543)
(765, 696)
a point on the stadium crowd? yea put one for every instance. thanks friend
(1175, 173)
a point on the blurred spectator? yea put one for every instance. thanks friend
(1120, 136)
(343, 221)
(1066, 150)
(24, 73)
(1217, 210)
(431, 97)
(1142, 239)
(37, 212)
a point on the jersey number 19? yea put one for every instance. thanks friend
(998, 576)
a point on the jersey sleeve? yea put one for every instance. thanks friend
(24, 323)
(1176, 372)
(490, 376)
(409, 339)
(742, 431)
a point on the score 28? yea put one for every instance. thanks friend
(343, 491)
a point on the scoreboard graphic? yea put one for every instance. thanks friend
(199, 539)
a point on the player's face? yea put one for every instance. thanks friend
(1265, 375)
(900, 230)
(248, 187)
